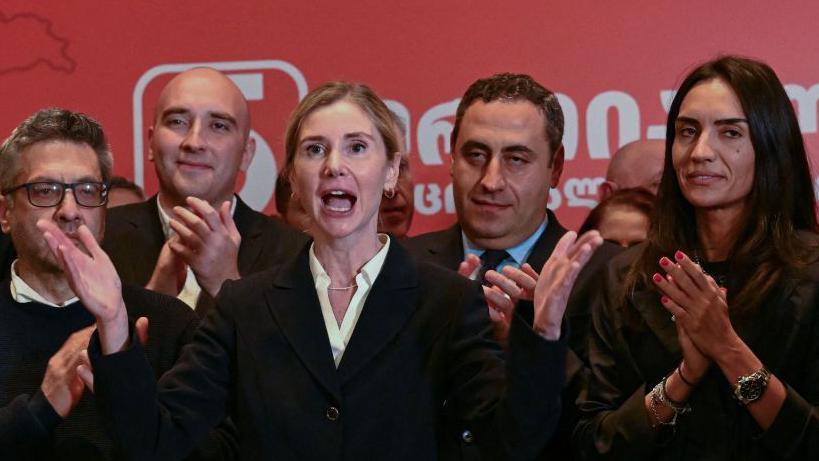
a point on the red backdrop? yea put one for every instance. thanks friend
(614, 64)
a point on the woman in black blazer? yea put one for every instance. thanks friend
(706, 342)
(350, 350)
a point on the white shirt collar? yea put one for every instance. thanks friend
(23, 293)
(340, 335)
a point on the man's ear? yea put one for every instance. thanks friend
(557, 165)
(150, 145)
(606, 189)
(247, 153)
(5, 207)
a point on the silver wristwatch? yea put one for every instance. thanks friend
(749, 388)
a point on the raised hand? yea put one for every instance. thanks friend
(469, 265)
(698, 304)
(208, 243)
(507, 288)
(170, 271)
(61, 385)
(554, 285)
(92, 277)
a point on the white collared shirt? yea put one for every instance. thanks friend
(191, 290)
(23, 293)
(340, 335)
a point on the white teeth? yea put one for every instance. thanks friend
(336, 192)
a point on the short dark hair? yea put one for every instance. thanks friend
(53, 124)
(514, 87)
(120, 182)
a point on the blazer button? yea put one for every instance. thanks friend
(332, 413)
(467, 436)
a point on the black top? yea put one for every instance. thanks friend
(30, 333)
(633, 345)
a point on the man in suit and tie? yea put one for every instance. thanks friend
(507, 154)
(196, 233)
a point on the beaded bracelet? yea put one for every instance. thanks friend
(660, 397)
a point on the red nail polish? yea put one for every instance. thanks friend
(664, 261)
(658, 278)
(678, 255)
(664, 300)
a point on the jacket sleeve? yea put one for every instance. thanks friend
(613, 420)
(27, 423)
(165, 420)
(512, 404)
(794, 433)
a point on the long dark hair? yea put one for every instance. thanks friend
(781, 201)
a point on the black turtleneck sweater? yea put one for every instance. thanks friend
(30, 333)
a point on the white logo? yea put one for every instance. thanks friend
(249, 77)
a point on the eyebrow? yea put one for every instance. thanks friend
(357, 134)
(214, 114)
(42, 178)
(506, 149)
(722, 121)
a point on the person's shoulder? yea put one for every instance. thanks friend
(425, 239)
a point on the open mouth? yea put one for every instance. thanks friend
(338, 201)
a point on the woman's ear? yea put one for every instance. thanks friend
(393, 169)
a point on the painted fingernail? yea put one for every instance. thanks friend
(679, 255)
(658, 278)
(664, 261)
(664, 300)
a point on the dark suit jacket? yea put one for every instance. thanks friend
(633, 345)
(134, 238)
(264, 357)
(445, 248)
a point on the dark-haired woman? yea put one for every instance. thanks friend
(706, 342)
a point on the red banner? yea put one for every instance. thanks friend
(614, 64)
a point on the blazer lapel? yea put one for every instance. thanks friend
(546, 243)
(246, 222)
(295, 307)
(448, 250)
(390, 304)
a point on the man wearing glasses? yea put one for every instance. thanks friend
(55, 167)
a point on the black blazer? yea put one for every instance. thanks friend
(263, 356)
(633, 345)
(134, 238)
(445, 248)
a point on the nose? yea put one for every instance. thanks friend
(493, 179)
(68, 211)
(334, 164)
(702, 151)
(194, 140)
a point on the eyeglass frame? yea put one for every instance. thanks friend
(106, 187)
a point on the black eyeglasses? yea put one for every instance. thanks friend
(49, 194)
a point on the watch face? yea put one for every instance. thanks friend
(750, 390)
